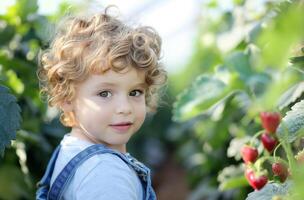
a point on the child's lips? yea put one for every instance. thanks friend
(121, 127)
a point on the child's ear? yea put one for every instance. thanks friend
(66, 106)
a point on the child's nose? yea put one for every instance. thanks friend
(123, 106)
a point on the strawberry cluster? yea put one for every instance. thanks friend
(258, 178)
(270, 122)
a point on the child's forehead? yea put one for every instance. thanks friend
(126, 77)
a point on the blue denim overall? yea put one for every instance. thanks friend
(65, 176)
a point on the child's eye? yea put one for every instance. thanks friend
(105, 94)
(136, 93)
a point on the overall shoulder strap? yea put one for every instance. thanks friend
(44, 184)
(69, 170)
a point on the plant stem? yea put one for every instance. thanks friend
(275, 150)
(255, 136)
(289, 154)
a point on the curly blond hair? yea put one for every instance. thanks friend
(93, 44)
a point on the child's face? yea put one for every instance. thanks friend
(104, 101)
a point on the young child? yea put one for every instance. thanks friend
(104, 76)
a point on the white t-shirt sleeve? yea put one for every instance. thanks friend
(109, 178)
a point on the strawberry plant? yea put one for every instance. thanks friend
(249, 105)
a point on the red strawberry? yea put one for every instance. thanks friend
(249, 154)
(269, 142)
(257, 182)
(248, 173)
(270, 121)
(280, 170)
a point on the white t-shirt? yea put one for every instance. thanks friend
(101, 177)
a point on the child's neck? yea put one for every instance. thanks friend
(79, 133)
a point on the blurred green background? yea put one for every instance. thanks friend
(247, 57)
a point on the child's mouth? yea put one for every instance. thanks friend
(121, 127)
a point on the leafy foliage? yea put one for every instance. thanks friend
(256, 68)
(205, 92)
(291, 95)
(270, 191)
(10, 118)
(239, 74)
(292, 123)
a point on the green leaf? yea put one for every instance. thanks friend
(234, 149)
(41, 22)
(292, 124)
(269, 191)
(232, 177)
(13, 185)
(258, 83)
(297, 61)
(287, 24)
(20, 65)
(254, 33)
(291, 95)
(239, 2)
(233, 183)
(14, 82)
(239, 61)
(280, 83)
(23, 8)
(212, 4)
(296, 191)
(7, 32)
(202, 95)
(10, 118)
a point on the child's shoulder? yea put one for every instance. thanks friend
(105, 165)
(112, 177)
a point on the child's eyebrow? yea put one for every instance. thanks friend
(114, 84)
